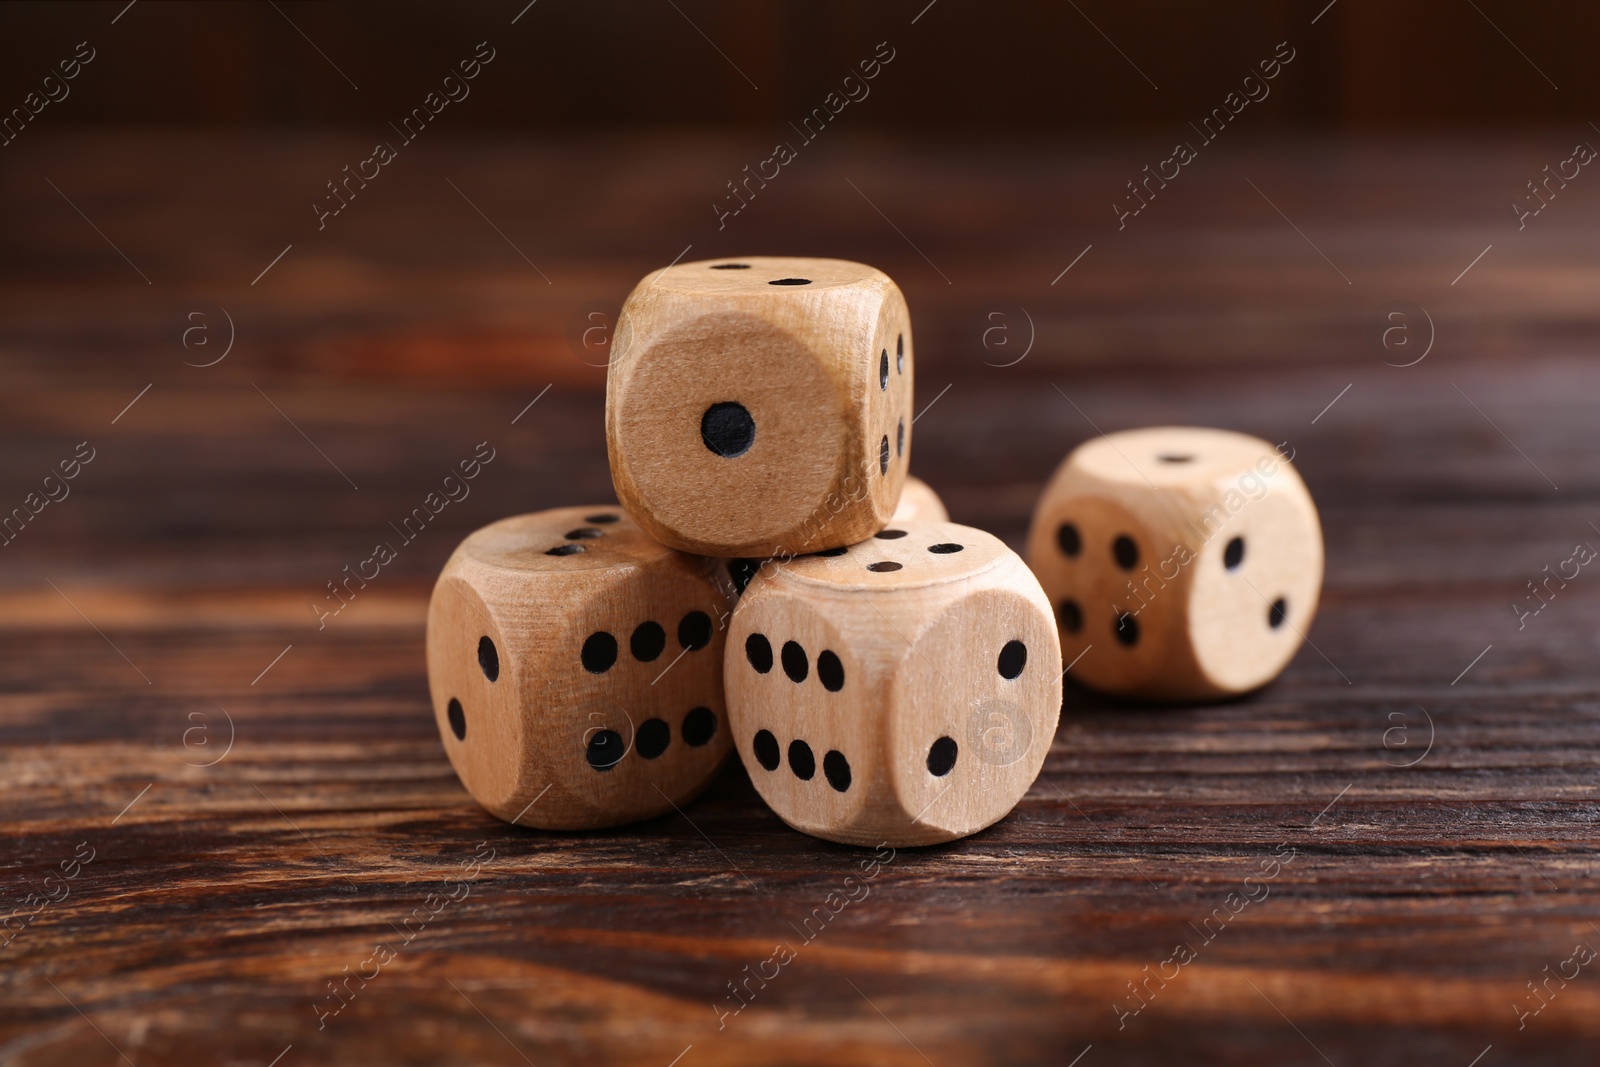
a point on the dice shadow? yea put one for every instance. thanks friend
(1078, 698)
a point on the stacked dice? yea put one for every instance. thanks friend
(773, 582)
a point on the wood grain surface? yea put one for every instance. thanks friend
(217, 816)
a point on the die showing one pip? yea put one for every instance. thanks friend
(919, 503)
(904, 690)
(760, 406)
(576, 669)
(1184, 564)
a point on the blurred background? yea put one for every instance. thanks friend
(1024, 68)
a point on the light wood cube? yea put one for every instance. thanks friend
(761, 406)
(1184, 564)
(575, 667)
(904, 690)
(919, 503)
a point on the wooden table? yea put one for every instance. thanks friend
(1423, 779)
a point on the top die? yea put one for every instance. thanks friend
(761, 406)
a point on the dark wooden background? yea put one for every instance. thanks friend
(1430, 765)
(1030, 66)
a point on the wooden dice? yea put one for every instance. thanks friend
(576, 669)
(1184, 564)
(919, 503)
(761, 406)
(902, 690)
